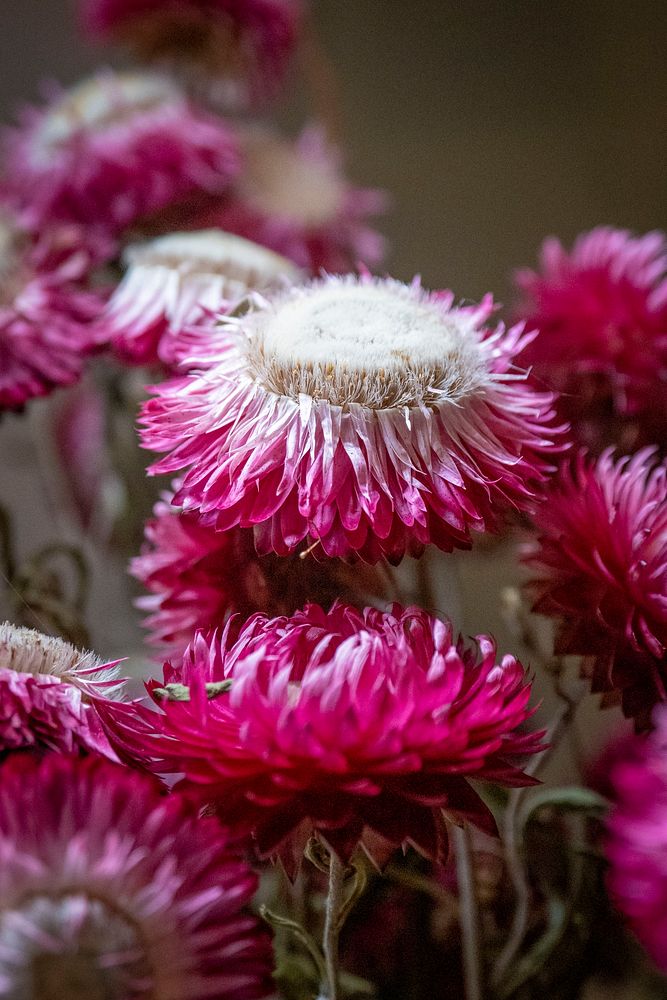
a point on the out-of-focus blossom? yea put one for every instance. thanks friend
(360, 726)
(237, 49)
(602, 315)
(294, 198)
(362, 415)
(600, 563)
(46, 311)
(181, 279)
(637, 841)
(105, 880)
(46, 690)
(115, 149)
(197, 577)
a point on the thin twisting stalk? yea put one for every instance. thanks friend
(332, 925)
(468, 916)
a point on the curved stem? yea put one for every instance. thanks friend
(468, 916)
(332, 925)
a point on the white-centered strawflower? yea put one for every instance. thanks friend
(362, 414)
(180, 279)
(47, 687)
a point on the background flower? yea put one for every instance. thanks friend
(602, 315)
(104, 877)
(364, 415)
(361, 726)
(600, 563)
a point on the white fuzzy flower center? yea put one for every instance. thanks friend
(100, 103)
(73, 946)
(27, 651)
(380, 344)
(212, 251)
(278, 180)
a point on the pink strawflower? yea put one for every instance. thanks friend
(600, 566)
(637, 842)
(115, 149)
(293, 197)
(177, 280)
(240, 48)
(364, 415)
(46, 690)
(602, 314)
(46, 311)
(197, 577)
(361, 726)
(110, 888)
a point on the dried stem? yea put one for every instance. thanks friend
(468, 916)
(332, 925)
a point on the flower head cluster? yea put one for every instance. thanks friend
(364, 415)
(602, 315)
(241, 47)
(46, 312)
(294, 198)
(361, 726)
(197, 577)
(103, 879)
(46, 690)
(600, 566)
(637, 841)
(178, 280)
(115, 149)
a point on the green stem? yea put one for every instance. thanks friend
(468, 916)
(332, 925)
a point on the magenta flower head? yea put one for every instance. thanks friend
(46, 692)
(197, 577)
(600, 563)
(359, 726)
(106, 880)
(294, 198)
(46, 311)
(637, 841)
(360, 415)
(602, 315)
(115, 149)
(177, 280)
(241, 48)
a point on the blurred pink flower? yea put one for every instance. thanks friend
(637, 841)
(181, 279)
(294, 198)
(361, 726)
(46, 311)
(364, 415)
(115, 149)
(198, 577)
(104, 879)
(600, 563)
(46, 690)
(602, 315)
(241, 47)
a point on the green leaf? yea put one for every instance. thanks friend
(181, 692)
(534, 959)
(568, 798)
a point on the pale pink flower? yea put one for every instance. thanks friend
(238, 49)
(637, 841)
(108, 887)
(197, 577)
(46, 692)
(294, 198)
(114, 150)
(46, 311)
(362, 415)
(360, 726)
(602, 315)
(179, 280)
(600, 569)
